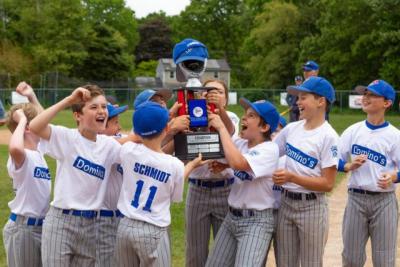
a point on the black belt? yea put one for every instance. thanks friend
(299, 196)
(211, 184)
(242, 213)
(365, 192)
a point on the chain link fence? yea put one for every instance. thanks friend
(51, 87)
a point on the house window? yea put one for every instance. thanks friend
(215, 74)
(171, 74)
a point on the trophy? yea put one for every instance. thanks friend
(190, 57)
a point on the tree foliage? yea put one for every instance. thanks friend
(107, 55)
(146, 68)
(272, 45)
(64, 36)
(13, 59)
(155, 39)
(264, 41)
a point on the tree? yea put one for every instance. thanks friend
(114, 14)
(146, 68)
(13, 60)
(53, 32)
(357, 43)
(107, 55)
(273, 45)
(155, 39)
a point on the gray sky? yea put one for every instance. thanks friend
(143, 7)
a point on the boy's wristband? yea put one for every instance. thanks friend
(341, 165)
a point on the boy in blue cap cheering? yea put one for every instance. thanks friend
(310, 169)
(247, 229)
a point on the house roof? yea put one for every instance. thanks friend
(212, 64)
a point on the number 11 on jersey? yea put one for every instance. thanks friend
(150, 198)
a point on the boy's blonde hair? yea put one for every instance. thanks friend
(94, 91)
(30, 112)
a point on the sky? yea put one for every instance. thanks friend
(144, 7)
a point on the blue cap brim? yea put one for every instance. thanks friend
(247, 104)
(117, 111)
(282, 121)
(360, 89)
(181, 59)
(295, 90)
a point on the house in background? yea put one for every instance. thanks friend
(215, 69)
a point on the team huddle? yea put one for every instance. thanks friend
(112, 192)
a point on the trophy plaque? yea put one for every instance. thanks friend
(200, 139)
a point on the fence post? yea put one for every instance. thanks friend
(9, 81)
(341, 101)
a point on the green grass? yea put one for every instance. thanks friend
(340, 121)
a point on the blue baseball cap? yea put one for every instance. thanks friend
(378, 87)
(282, 121)
(310, 65)
(189, 49)
(316, 85)
(147, 94)
(149, 119)
(265, 110)
(115, 111)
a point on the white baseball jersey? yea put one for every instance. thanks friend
(203, 172)
(83, 167)
(151, 181)
(235, 120)
(276, 188)
(113, 188)
(253, 189)
(114, 184)
(380, 144)
(307, 151)
(32, 185)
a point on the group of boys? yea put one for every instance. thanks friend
(112, 193)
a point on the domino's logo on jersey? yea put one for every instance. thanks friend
(89, 167)
(242, 175)
(300, 157)
(41, 173)
(371, 154)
